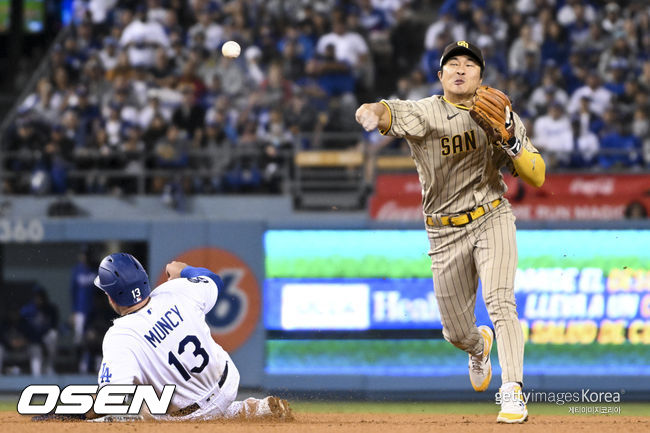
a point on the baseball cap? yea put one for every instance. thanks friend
(462, 47)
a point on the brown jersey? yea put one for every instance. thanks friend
(457, 167)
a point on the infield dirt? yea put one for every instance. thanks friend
(337, 422)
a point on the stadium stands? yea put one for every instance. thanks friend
(138, 99)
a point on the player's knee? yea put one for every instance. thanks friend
(500, 307)
(463, 341)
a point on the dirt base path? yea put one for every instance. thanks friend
(352, 423)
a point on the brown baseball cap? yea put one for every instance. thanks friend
(463, 47)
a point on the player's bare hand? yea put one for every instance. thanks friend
(174, 269)
(367, 118)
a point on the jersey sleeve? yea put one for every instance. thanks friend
(120, 362)
(520, 133)
(202, 286)
(407, 118)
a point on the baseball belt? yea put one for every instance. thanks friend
(464, 218)
(195, 406)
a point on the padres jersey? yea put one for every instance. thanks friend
(167, 342)
(458, 169)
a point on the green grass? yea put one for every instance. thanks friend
(468, 408)
(376, 266)
(460, 408)
(7, 406)
(425, 353)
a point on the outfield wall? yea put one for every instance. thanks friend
(277, 344)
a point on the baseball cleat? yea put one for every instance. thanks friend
(513, 407)
(480, 367)
(274, 407)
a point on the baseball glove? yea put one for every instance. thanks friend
(492, 111)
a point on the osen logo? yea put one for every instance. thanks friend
(237, 310)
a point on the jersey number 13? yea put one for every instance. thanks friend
(198, 351)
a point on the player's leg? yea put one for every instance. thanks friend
(50, 340)
(268, 407)
(496, 261)
(35, 359)
(78, 322)
(455, 282)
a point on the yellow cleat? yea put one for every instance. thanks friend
(513, 406)
(480, 367)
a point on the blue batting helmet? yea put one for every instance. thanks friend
(123, 278)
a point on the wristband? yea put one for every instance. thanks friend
(512, 146)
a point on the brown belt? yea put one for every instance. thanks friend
(462, 219)
(195, 406)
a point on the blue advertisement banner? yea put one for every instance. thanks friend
(357, 304)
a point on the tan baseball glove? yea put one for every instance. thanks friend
(492, 110)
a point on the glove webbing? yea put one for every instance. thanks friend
(492, 106)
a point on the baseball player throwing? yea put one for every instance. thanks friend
(161, 338)
(459, 142)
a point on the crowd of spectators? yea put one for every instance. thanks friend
(141, 87)
(578, 72)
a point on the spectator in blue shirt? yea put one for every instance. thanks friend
(619, 148)
(554, 46)
(334, 76)
(430, 63)
(616, 83)
(371, 18)
(305, 46)
(574, 71)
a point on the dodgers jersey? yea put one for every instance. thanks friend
(167, 342)
(458, 169)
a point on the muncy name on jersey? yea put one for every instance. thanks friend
(164, 326)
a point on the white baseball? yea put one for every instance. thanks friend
(231, 49)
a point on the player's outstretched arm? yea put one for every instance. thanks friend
(373, 116)
(183, 270)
